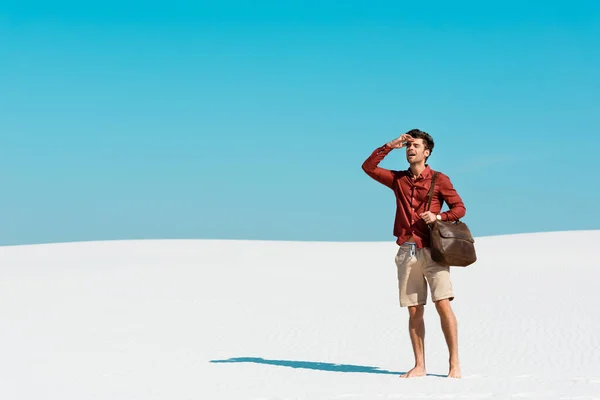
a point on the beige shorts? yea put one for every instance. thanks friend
(416, 270)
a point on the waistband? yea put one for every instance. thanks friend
(412, 246)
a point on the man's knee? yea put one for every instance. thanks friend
(416, 313)
(443, 306)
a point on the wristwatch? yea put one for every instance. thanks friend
(438, 217)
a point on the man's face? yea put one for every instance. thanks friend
(415, 151)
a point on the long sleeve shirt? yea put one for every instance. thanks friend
(411, 197)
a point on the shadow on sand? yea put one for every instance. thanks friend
(319, 366)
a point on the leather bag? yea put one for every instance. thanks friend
(451, 243)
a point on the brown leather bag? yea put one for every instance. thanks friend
(451, 242)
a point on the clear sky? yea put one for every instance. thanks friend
(250, 120)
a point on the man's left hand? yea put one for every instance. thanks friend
(428, 217)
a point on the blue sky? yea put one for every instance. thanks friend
(250, 120)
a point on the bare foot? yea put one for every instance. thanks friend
(454, 372)
(416, 371)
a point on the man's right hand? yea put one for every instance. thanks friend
(400, 141)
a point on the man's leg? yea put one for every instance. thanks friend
(449, 327)
(413, 294)
(442, 294)
(416, 329)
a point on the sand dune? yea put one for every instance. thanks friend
(202, 319)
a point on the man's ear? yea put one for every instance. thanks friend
(427, 152)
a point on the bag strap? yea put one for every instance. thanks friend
(430, 194)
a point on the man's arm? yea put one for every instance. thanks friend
(372, 168)
(371, 164)
(456, 206)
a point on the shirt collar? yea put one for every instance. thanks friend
(425, 174)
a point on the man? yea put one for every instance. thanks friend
(416, 269)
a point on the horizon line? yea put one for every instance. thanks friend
(184, 239)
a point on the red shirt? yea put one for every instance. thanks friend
(411, 197)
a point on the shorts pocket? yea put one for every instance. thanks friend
(403, 255)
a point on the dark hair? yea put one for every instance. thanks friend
(427, 139)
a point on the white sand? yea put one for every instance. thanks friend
(277, 320)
